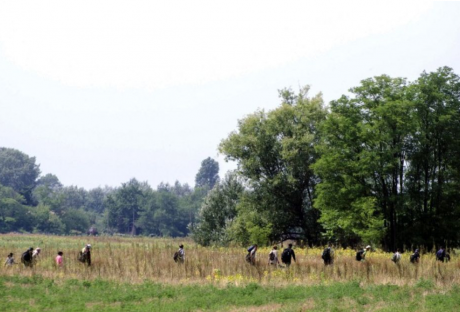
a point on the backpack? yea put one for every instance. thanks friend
(81, 256)
(326, 254)
(24, 257)
(359, 255)
(176, 256)
(271, 256)
(412, 258)
(441, 254)
(286, 256)
(250, 248)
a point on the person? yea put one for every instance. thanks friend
(26, 257)
(35, 254)
(415, 257)
(328, 255)
(85, 255)
(396, 257)
(287, 255)
(365, 252)
(251, 256)
(59, 260)
(441, 255)
(273, 257)
(179, 256)
(9, 260)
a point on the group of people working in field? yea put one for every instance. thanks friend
(287, 256)
(30, 257)
(328, 255)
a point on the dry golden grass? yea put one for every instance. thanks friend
(135, 260)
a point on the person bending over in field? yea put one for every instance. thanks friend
(442, 255)
(415, 257)
(179, 256)
(59, 260)
(328, 255)
(273, 257)
(85, 255)
(26, 257)
(287, 255)
(361, 254)
(251, 256)
(396, 257)
(10, 260)
(35, 255)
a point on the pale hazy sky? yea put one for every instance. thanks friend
(104, 91)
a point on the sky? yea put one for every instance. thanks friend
(100, 92)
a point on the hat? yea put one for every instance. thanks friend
(416, 250)
(88, 245)
(38, 249)
(368, 247)
(31, 248)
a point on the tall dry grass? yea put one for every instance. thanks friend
(135, 260)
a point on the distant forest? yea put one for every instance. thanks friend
(380, 165)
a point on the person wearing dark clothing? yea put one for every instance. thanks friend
(328, 255)
(441, 255)
(26, 257)
(415, 257)
(251, 256)
(85, 255)
(287, 255)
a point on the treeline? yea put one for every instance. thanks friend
(41, 204)
(381, 166)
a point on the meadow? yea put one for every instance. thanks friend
(139, 274)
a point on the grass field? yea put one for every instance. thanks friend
(138, 274)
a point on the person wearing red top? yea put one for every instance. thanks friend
(59, 260)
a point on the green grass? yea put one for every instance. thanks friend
(35, 293)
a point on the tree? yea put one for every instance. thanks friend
(362, 164)
(218, 211)
(274, 152)
(208, 174)
(18, 171)
(433, 177)
(14, 215)
(124, 206)
(50, 181)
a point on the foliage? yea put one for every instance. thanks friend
(208, 174)
(274, 152)
(388, 162)
(218, 211)
(18, 171)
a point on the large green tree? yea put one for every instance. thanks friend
(124, 206)
(363, 161)
(389, 162)
(218, 211)
(274, 152)
(18, 171)
(433, 178)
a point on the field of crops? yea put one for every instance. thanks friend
(135, 260)
(148, 262)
